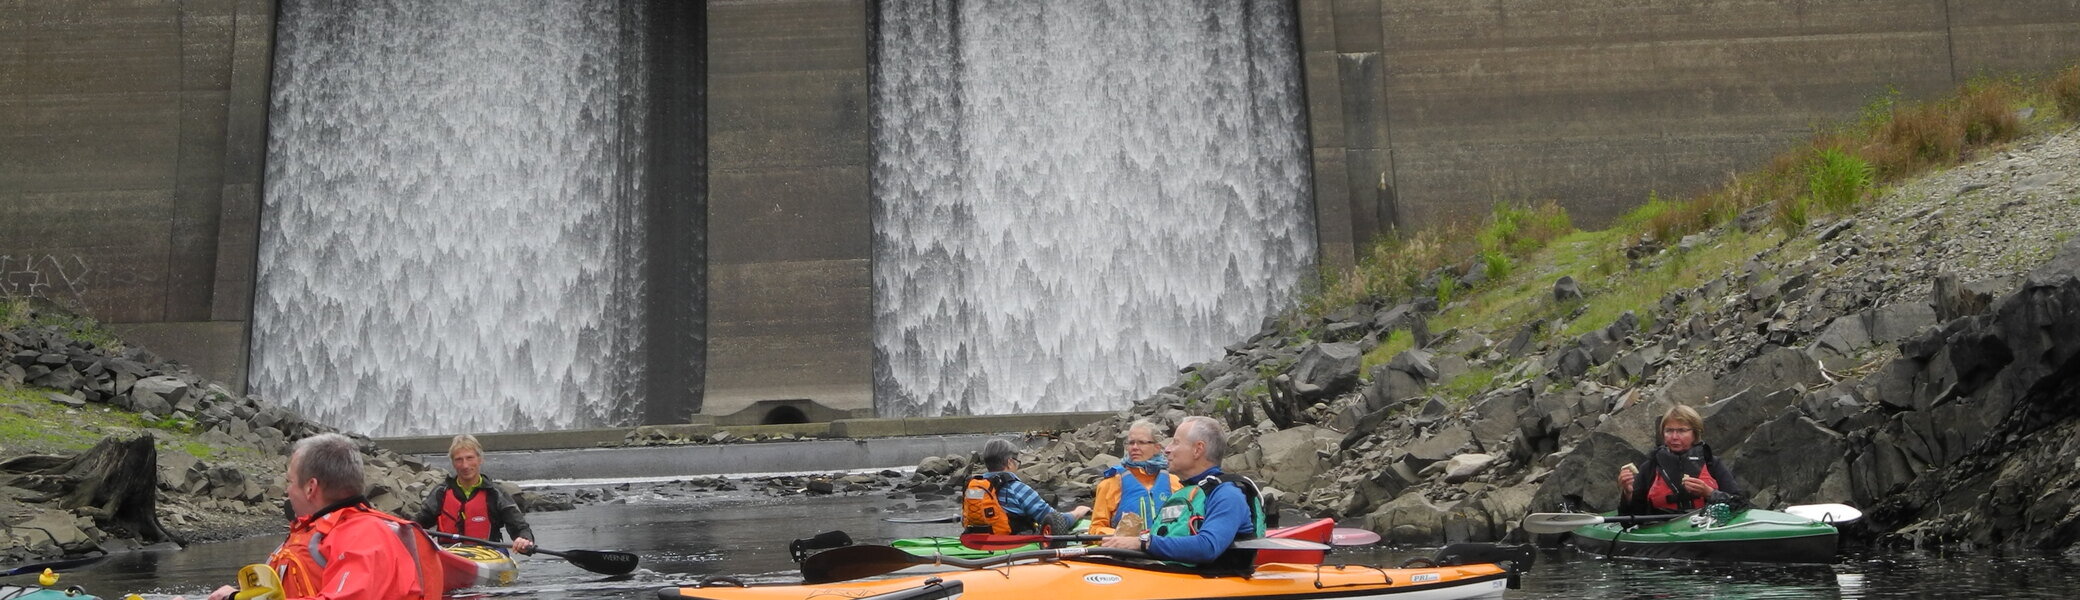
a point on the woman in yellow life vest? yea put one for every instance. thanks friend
(1138, 485)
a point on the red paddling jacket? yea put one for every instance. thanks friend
(350, 551)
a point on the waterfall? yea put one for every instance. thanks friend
(451, 237)
(1076, 197)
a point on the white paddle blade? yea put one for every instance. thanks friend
(1832, 514)
(1279, 544)
(1350, 536)
(1558, 522)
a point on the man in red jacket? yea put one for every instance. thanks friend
(339, 547)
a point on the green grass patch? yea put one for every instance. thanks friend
(1837, 180)
(1397, 341)
(1469, 384)
(30, 423)
(17, 313)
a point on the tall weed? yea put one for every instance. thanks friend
(1837, 180)
(2065, 92)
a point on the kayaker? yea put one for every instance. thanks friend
(997, 502)
(469, 504)
(1200, 522)
(339, 547)
(1682, 457)
(1139, 484)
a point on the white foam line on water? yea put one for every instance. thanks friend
(579, 482)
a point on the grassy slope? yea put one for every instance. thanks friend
(1533, 246)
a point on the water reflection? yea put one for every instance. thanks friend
(744, 534)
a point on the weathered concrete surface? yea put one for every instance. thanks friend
(703, 427)
(790, 303)
(1456, 105)
(131, 137)
(719, 459)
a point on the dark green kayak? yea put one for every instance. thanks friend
(1752, 535)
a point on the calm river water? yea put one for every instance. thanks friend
(683, 538)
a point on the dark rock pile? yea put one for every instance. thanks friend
(238, 493)
(1896, 360)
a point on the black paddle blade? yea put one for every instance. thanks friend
(56, 565)
(801, 548)
(854, 562)
(599, 561)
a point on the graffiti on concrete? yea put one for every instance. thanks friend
(47, 276)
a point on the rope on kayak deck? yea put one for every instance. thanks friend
(1383, 576)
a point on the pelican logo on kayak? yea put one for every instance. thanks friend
(1102, 578)
(1423, 578)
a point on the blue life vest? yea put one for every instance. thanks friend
(1133, 498)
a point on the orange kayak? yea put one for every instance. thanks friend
(1115, 580)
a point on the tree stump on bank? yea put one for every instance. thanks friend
(116, 483)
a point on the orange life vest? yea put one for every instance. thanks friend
(981, 513)
(301, 562)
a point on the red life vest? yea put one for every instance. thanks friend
(468, 515)
(1660, 493)
(301, 559)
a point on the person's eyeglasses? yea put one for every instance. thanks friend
(1142, 443)
(1676, 430)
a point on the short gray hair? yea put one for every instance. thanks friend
(1155, 431)
(335, 461)
(1205, 429)
(997, 453)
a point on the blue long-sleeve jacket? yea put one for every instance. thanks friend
(1227, 517)
(1020, 499)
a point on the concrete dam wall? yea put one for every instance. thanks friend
(134, 137)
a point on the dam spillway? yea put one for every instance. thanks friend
(451, 234)
(1075, 198)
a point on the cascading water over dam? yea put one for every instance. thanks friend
(451, 239)
(1075, 198)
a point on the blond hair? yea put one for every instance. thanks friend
(1685, 415)
(465, 442)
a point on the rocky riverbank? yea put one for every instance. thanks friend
(1917, 358)
(89, 425)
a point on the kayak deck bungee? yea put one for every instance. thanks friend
(1752, 535)
(1096, 573)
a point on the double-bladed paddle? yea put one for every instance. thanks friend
(1832, 514)
(1565, 522)
(985, 541)
(55, 565)
(854, 562)
(598, 561)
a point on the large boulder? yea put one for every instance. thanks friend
(1791, 456)
(1590, 471)
(1408, 519)
(1327, 370)
(1776, 369)
(1291, 458)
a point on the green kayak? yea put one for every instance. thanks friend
(951, 547)
(1752, 535)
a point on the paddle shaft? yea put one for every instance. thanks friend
(984, 541)
(854, 562)
(597, 561)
